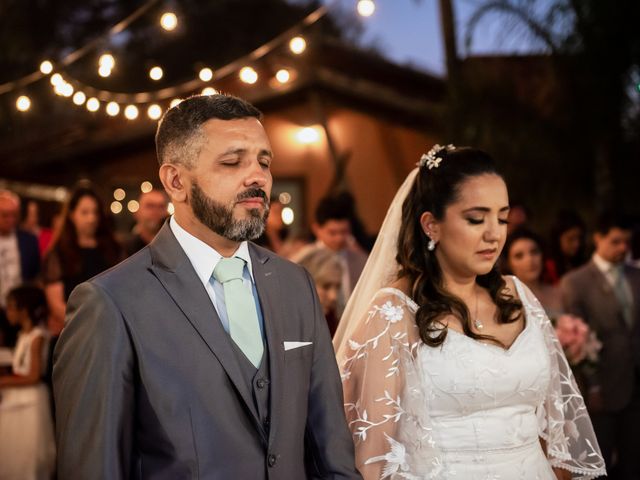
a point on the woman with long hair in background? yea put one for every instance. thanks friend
(82, 247)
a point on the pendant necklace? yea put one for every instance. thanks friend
(478, 324)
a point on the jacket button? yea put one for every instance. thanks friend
(261, 383)
(271, 460)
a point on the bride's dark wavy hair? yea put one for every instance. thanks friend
(433, 191)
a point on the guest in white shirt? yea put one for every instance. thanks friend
(19, 258)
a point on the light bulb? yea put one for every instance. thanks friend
(154, 112)
(119, 194)
(104, 71)
(133, 206)
(79, 98)
(206, 74)
(169, 21)
(106, 60)
(93, 104)
(56, 79)
(248, 75)
(287, 215)
(23, 103)
(113, 109)
(366, 8)
(283, 75)
(116, 207)
(156, 73)
(46, 67)
(297, 45)
(131, 112)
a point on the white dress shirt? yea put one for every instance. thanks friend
(10, 270)
(205, 259)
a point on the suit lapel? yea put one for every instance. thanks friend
(172, 268)
(269, 293)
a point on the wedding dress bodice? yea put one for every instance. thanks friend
(482, 396)
(466, 409)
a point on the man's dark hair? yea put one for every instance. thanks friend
(179, 136)
(609, 220)
(332, 208)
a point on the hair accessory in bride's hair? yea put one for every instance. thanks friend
(431, 158)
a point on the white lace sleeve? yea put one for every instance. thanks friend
(384, 401)
(563, 419)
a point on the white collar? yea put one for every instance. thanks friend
(603, 265)
(203, 257)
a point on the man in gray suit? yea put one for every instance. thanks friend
(203, 355)
(606, 293)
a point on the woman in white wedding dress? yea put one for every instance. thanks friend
(451, 371)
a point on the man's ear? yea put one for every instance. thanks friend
(430, 226)
(175, 181)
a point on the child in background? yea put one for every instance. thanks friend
(27, 448)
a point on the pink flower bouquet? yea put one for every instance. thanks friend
(577, 339)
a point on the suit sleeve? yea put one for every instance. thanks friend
(93, 389)
(571, 299)
(573, 304)
(329, 448)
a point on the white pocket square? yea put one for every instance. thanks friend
(292, 345)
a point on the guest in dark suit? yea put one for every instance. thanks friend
(203, 355)
(19, 258)
(150, 217)
(606, 293)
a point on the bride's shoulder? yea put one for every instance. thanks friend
(402, 285)
(397, 293)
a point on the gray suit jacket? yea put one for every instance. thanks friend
(147, 385)
(587, 293)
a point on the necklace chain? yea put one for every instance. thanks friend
(478, 324)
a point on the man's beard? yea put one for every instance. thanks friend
(219, 218)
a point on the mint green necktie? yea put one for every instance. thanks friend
(244, 326)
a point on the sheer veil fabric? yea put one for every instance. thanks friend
(377, 343)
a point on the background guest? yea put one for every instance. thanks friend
(523, 257)
(31, 223)
(519, 216)
(332, 229)
(19, 258)
(606, 293)
(27, 449)
(568, 245)
(326, 270)
(150, 217)
(83, 247)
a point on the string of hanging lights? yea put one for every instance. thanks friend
(131, 104)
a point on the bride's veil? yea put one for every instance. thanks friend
(380, 270)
